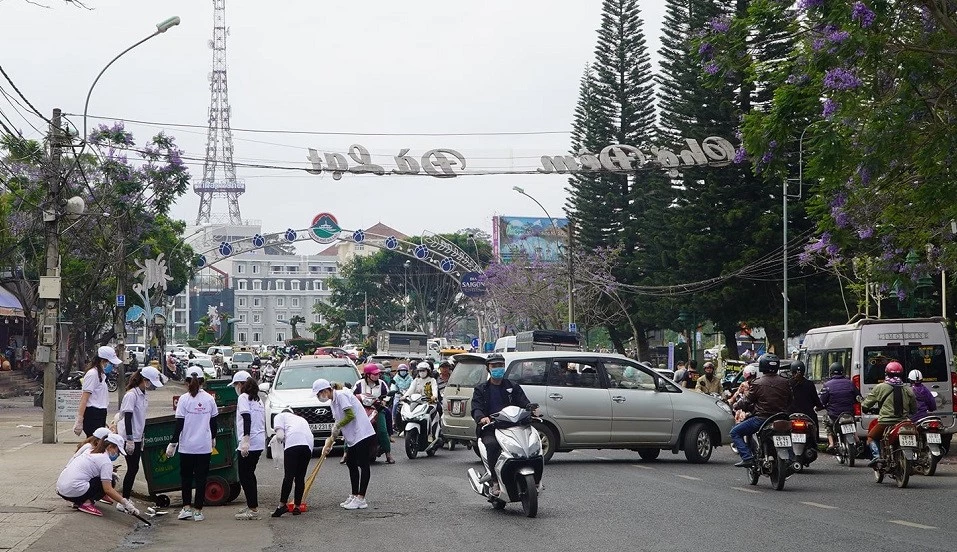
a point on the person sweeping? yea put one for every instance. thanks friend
(296, 437)
(195, 437)
(251, 425)
(359, 435)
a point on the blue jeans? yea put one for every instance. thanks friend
(739, 432)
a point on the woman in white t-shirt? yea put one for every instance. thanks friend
(296, 437)
(96, 397)
(195, 437)
(88, 477)
(133, 420)
(90, 442)
(251, 427)
(357, 430)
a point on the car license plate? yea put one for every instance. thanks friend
(848, 428)
(799, 437)
(782, 440)
(321, 427)
(933, 438)
(908, 440)
(458, 408)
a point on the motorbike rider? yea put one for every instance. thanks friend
(838, 396)
(767, 396)
(925, 397)
(371, 386)
(750, 372)
(490, 397)
(804, 399)
(386, 377)
(709, 383)
(424, 384)
(902, 405)
(400, 384)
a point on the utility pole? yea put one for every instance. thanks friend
(119, 321)
(571, 277)
(50, 284)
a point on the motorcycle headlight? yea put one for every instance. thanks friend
(724, 406)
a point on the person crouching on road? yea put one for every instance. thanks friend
(359, 435)
(251, 425)
(95, 397)
(90, 442)
(294, 434)
(195, 436)
(89, 477)
(133, 422)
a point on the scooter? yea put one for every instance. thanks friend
(899, 446)
(848, 445)
(803, 440)
(520, 466)
(421, 426)
(269, 372)
(929, 441)
(774, 452)
(372, 412)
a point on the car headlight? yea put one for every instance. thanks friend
(724, 406)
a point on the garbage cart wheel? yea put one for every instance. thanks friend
(162, 501)
(217, 491)
(234, 490)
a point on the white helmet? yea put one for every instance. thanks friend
(915, 376)
(750, 372)
(423, 366)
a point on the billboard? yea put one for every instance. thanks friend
(534, 237)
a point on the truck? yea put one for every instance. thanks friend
(412, 345)
(547, 340)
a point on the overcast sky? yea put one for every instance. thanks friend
(426, 66)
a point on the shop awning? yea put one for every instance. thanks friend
(9, 304)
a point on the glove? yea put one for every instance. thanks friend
(129, 508)
(78, 427)
(170, 450)
(328, 446)
(244, 446)
(213, 445)
(281, 436)
(130, 447)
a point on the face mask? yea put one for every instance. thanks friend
(108, 368)
(114, 456)
(423, 375)
(497, 373)
(403, 373)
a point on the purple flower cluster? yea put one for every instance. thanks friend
(840, 78)
(830, 107)
(796, 79)
(866, 232)
(835, 35)
(706, 50)
(719, 24)
(712, 68)
(805, 5)
(862, 14)
(740, 155)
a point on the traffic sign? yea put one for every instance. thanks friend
(475, 343)
(573, 327)
(120, 300)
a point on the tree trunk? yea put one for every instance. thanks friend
(775, 337)
(616, 339)
(641, 345)
(730, 338)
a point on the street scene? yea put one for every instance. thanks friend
(584, 274)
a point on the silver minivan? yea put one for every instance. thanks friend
(597, 401)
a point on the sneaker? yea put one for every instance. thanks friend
(185, 513)
(345, 503)
(357, 504)
(745, 464)
(90, 508)
(198, 515)
(247, 514)
(296, 511)
(280, 511)
(106, 500)
(874, 461)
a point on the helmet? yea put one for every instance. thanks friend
(495, 358)
(837, 369)
(798, 367)
(894, 369)
(708, 365)
(387, 365)
(768, 363)
(403, 367)
(446, 364)
(915, 376)
(423, 366)
(370, 369)
(750, 372)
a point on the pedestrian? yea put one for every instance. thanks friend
(195, 437)
(91, 413)
(293, 433)
(680, 373)
(251, 426)
(359, 435)
(89, 477)
(133, 422)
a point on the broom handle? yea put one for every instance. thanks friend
(312, 476)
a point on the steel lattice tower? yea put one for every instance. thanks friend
(219, 140)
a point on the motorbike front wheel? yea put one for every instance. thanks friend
(529, 493)
(412, 443)
(902, 469)
(851, 449)
(111, 384)
(754, 473)
(779, 473)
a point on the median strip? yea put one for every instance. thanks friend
(911, 524)
(818, 505)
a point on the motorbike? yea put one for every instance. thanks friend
(774, 452)
(803, 440)
(75, 380)
(520, 466)
(421, 421)
(370, 404)
(269, 373)
(254, 371)
(845, 433)
(898, 446)
(930, 449)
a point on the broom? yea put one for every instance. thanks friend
(309, 481)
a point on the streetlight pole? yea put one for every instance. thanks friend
(405, 292)
(571, 274)
(784, 218)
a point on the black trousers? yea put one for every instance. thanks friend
(358, 462)
(247, 476)
(94, 493)
(93, 419)
(132, 468)
(295, 461)
(492, 451)
(193, 469)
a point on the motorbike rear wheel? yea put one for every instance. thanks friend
(529, 494)
(902, 469)
(111, 384)
(412, 443)
(933, 465)
(779, 473)
(842, 453)
(851, 454)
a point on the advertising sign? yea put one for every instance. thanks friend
(473, 284)
(534, 238)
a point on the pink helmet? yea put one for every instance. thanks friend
(370, 369)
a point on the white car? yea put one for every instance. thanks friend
(292, 387)
(138, 351)
(241, 360)
(207, 366)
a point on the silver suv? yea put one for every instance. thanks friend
(600, 401)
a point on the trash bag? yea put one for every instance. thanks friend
(277, 450)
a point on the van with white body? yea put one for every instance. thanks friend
(865, 346)
(505, 344)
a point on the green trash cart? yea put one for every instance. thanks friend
(162, 473)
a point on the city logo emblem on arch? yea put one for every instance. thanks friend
(324, 228)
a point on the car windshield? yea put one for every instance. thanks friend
(301, 377)
(201, 362)
(226, 351)
(468, 374)
(243, 357)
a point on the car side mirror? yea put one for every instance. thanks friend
(264, 387)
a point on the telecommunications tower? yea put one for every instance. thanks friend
(219, 140)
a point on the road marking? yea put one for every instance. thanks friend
(601, 458)
(642, 467)
(818, 505)
(911, 524)
(688, 477)
(742, 489)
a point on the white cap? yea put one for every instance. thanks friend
(153, 375)
(241, 376)
(118, 441)
(109, 353)
(195, 372)
(320, 385)
(423, 366)
(101, 433)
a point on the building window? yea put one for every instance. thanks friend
(242, 301)
(257, 319)
(317, 318)
(280, 337)
(275, 269)
(242, 337)
(255, 269)
(292, 269)
(360, 247)
(316, 301)
(257, 302)
(295, 285)
(240, 269)
(242, 318)
(280, 301)
(257, 337)
(257, 284)
(313, 269)
(330, 269)
(317, 285)
(280, 284)
(241, 284)
(295, 302)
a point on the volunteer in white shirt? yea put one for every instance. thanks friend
(359, 435)
(91, 442)
(195, 436)
(251, 427)
(95, 398)
(294, 433)
(88, 477)
(133, 421)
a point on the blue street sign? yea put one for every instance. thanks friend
(573, 327)
(120, 300)
(475, 343)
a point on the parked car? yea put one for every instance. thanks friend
(292, 387)
(211, 371)
(226, 353)
(137, 350)
(598, 401)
